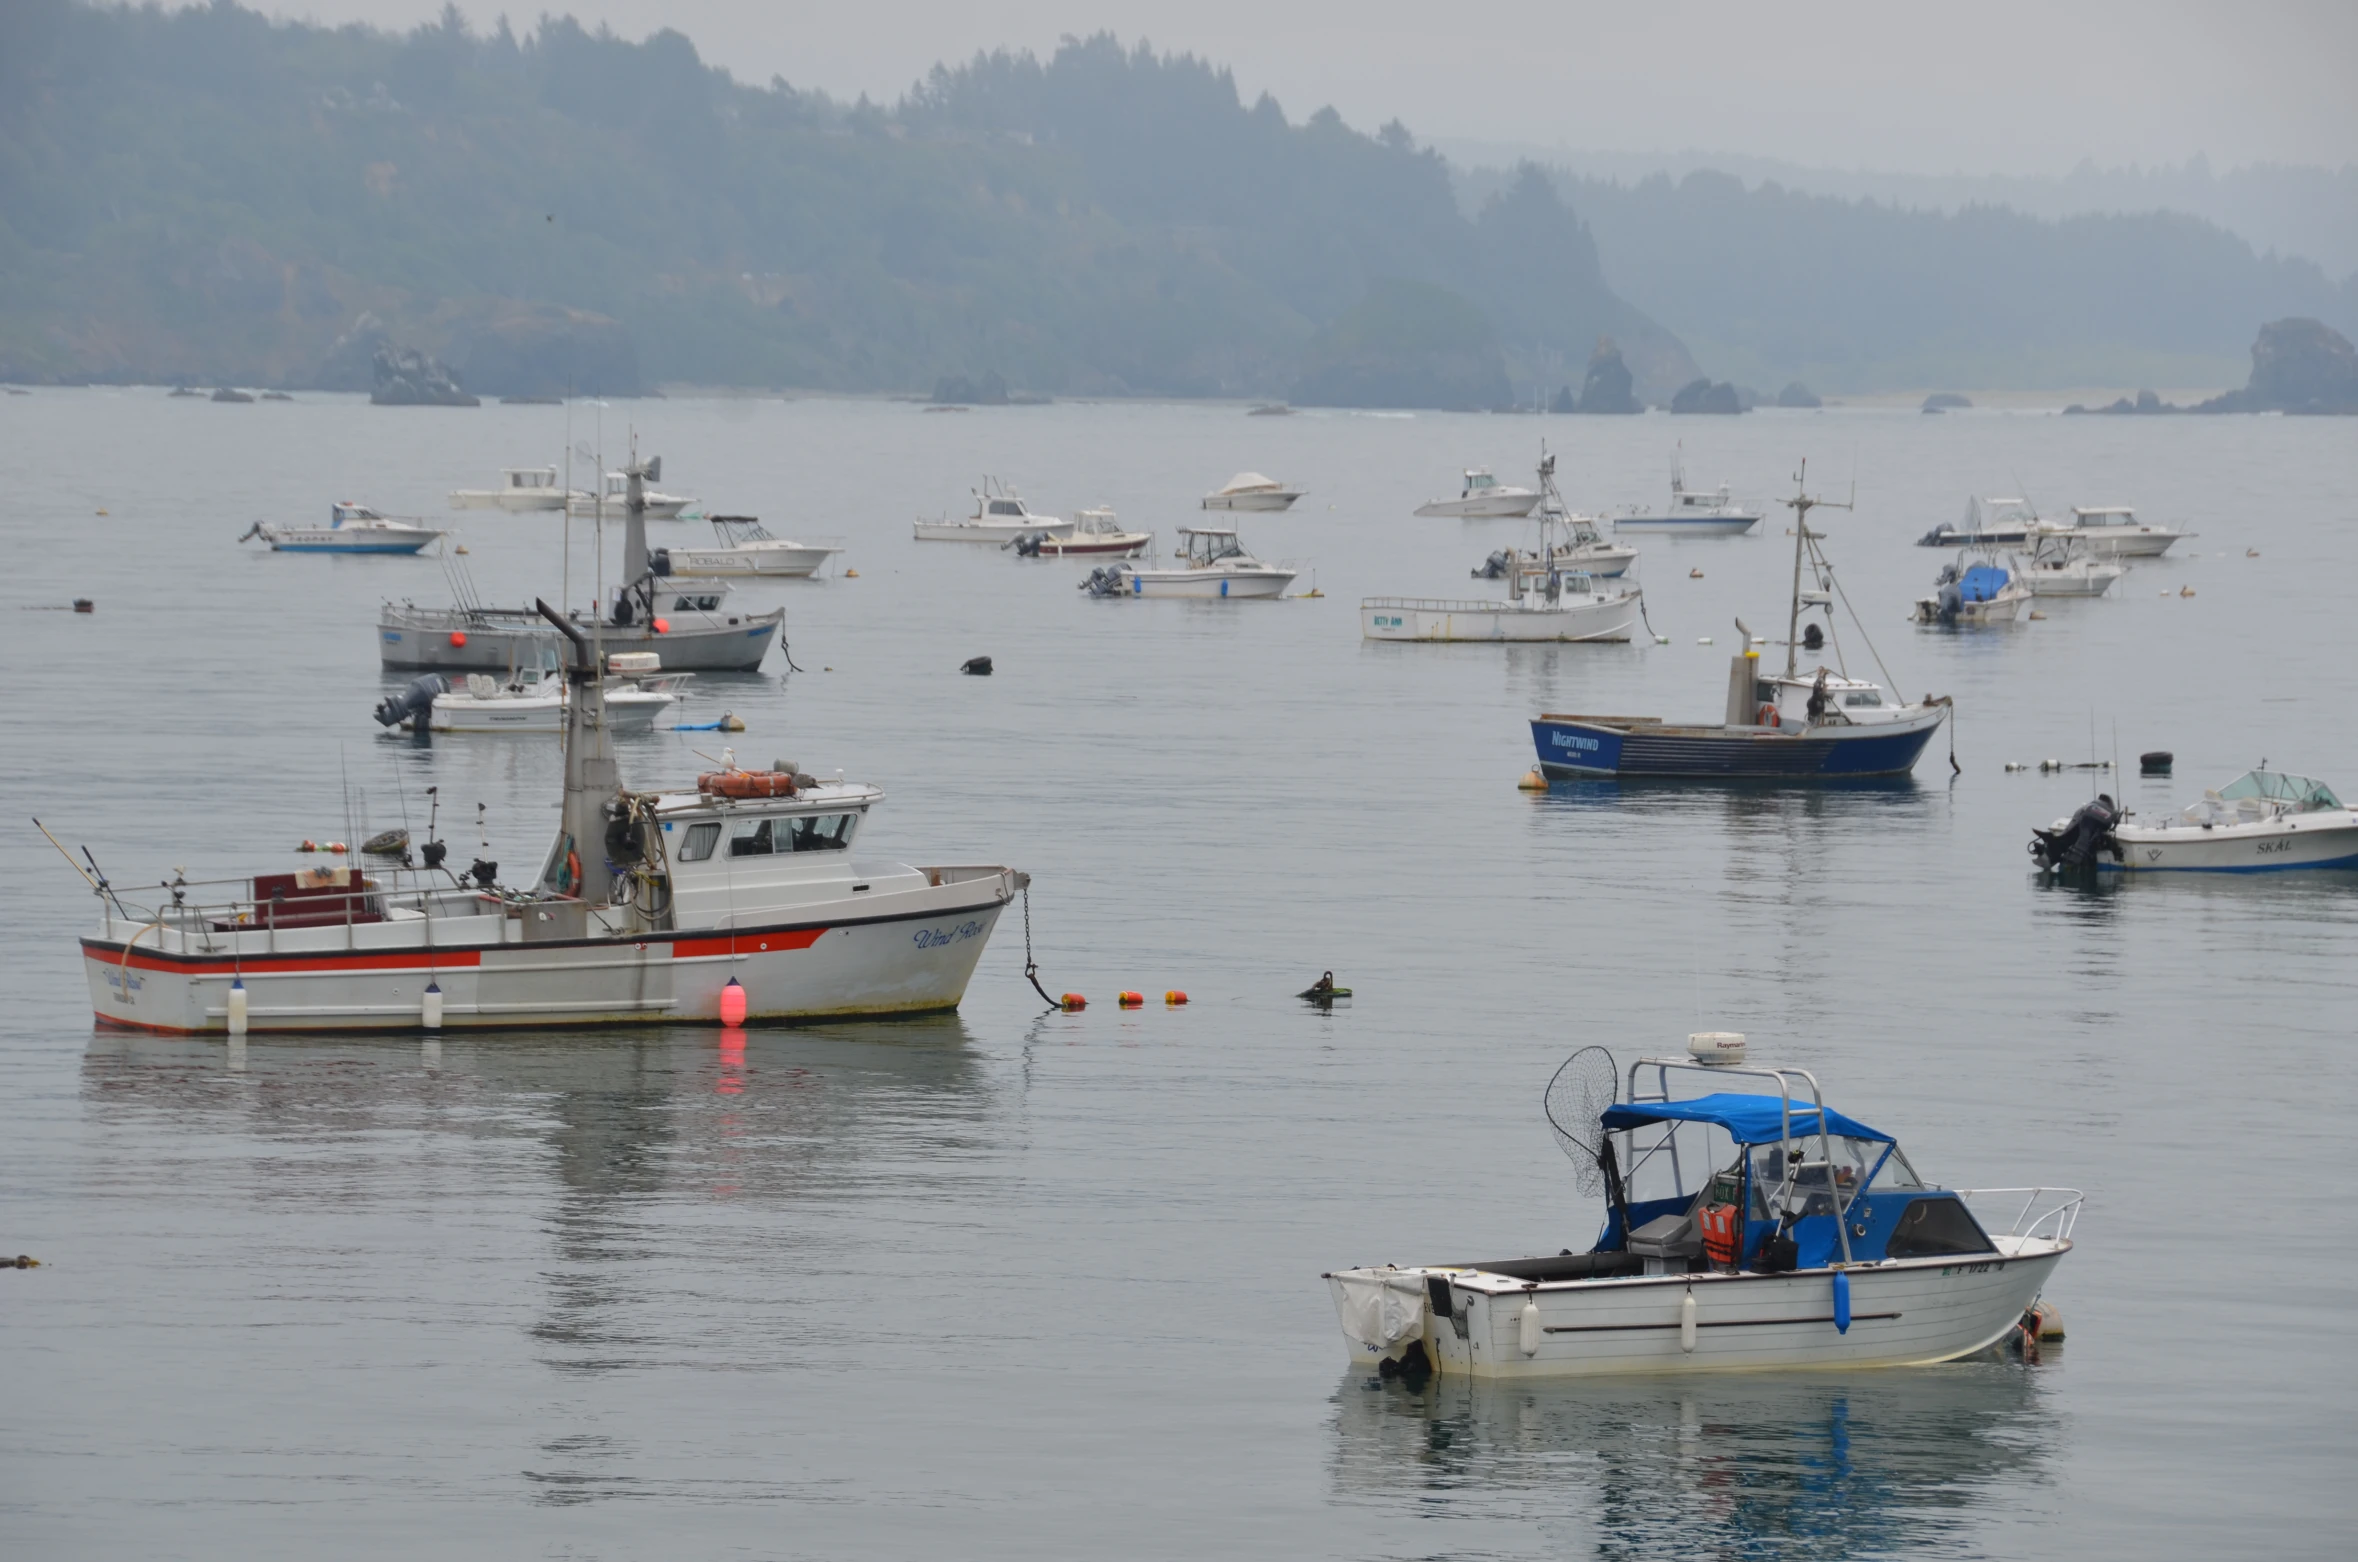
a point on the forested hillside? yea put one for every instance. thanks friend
(205, 195)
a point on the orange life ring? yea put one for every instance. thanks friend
(572, 870)
(1767, 716)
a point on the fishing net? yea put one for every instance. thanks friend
(1576, 1098)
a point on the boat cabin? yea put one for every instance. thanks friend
(1206, 546)
(1757, 1181)
(529, 479)
(1478, 481)
(343, 513)
(2103, 515)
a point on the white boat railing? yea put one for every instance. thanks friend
(2046, 1212)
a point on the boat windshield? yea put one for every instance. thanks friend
(1858, 1164)
(2299, 792)
(1476, 481)
(1211, 547)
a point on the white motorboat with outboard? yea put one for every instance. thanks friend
(2264, 821)
(1821, 725)
(1482, 497)
(1968, 595)
(660, 506)
(2113, 531)
(351, 528)
(738, 898)
(743, 546)
(1989, 523)
(2059, 565)
(1098, 532)
(1743, 1230)
(1000, 515)
(1252, 491)
(521, 489)
(1215, 564)
(533, 699)
(1692, 512)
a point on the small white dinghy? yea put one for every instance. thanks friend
(743, 546)
(1252, 491)
(1483, 497)
(2264, 821)
(1215, 564)
(351, 528)
(1744, 1230)
(533, 699)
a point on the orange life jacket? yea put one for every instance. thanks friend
(1722, 1232)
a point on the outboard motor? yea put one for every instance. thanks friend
(1104, 581)
(2081, 837)
(413, 703)
(659, 562)
(1951, 600)
(1939, 537)
(1027, 546)
(1495, 566)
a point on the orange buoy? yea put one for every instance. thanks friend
(308, 846)
(732, 1004)
(458, 637)
(335, 846)
(1133, 1000)
(661, 626)
(1175, 998)
(1533, 781)
(1072, 1001)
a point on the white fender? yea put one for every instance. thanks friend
(1531, 1333)
(237, 1006)
(1686, 1323)
(433, 1008)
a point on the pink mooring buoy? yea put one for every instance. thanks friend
(732, 1004)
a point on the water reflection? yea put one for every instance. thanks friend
(1819, 1466)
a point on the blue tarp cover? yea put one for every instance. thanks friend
(1982, 583)
(1748, 1119)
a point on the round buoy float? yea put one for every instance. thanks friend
(338, 847)
(308, 846)
(1532, 781)
(732, 1004)
(458, 637)
(1130, 1000)
(661, 626)
(851, 574)
(1073, 1001)
(431, 1013)
(1175, 998)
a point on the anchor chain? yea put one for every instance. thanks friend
(1031, 967)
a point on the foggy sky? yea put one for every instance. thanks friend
(1992, 86)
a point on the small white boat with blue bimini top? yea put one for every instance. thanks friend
(1692, 512)
(1214, 563)
(2263, 821)
(1744, 1230)
(1000, 516)
(1482, 498)
(351, 528)
(1802, 725)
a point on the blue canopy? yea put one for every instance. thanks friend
(1982, 583)
(1749, 1119)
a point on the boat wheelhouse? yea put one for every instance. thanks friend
(1744, 1229)
(521, 489)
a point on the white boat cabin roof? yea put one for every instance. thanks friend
(2112, 514)
(1479, 477)
(1250, 482)
(528, 476)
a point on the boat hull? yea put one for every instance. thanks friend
(2002, 609)
(1505, 507)
(990, 532)
(423, 639)
(1576, 748)
(916, 960)
(2070, 583)
(394, 545)
(464, 713)
(1403, 618)
(523, 502)
(1688, 526)
(1206, 583)
(1128, 545)
(2108, 543)
(780, 563)
(2244, 848)
(1263, 504)
(1913, 1312)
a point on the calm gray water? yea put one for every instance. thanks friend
(1012, 1285)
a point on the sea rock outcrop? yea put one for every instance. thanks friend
(1798, 395)
(406, 377)
(2298, 366)
(1706, 396)
(1946, 401)
(1609, 386)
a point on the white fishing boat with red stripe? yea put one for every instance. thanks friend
(745, 896)
(1744, 1229)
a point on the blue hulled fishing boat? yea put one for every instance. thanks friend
(1802, 725)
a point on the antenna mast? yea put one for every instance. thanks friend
(1801, 504)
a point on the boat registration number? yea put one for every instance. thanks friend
(1972, 1269)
